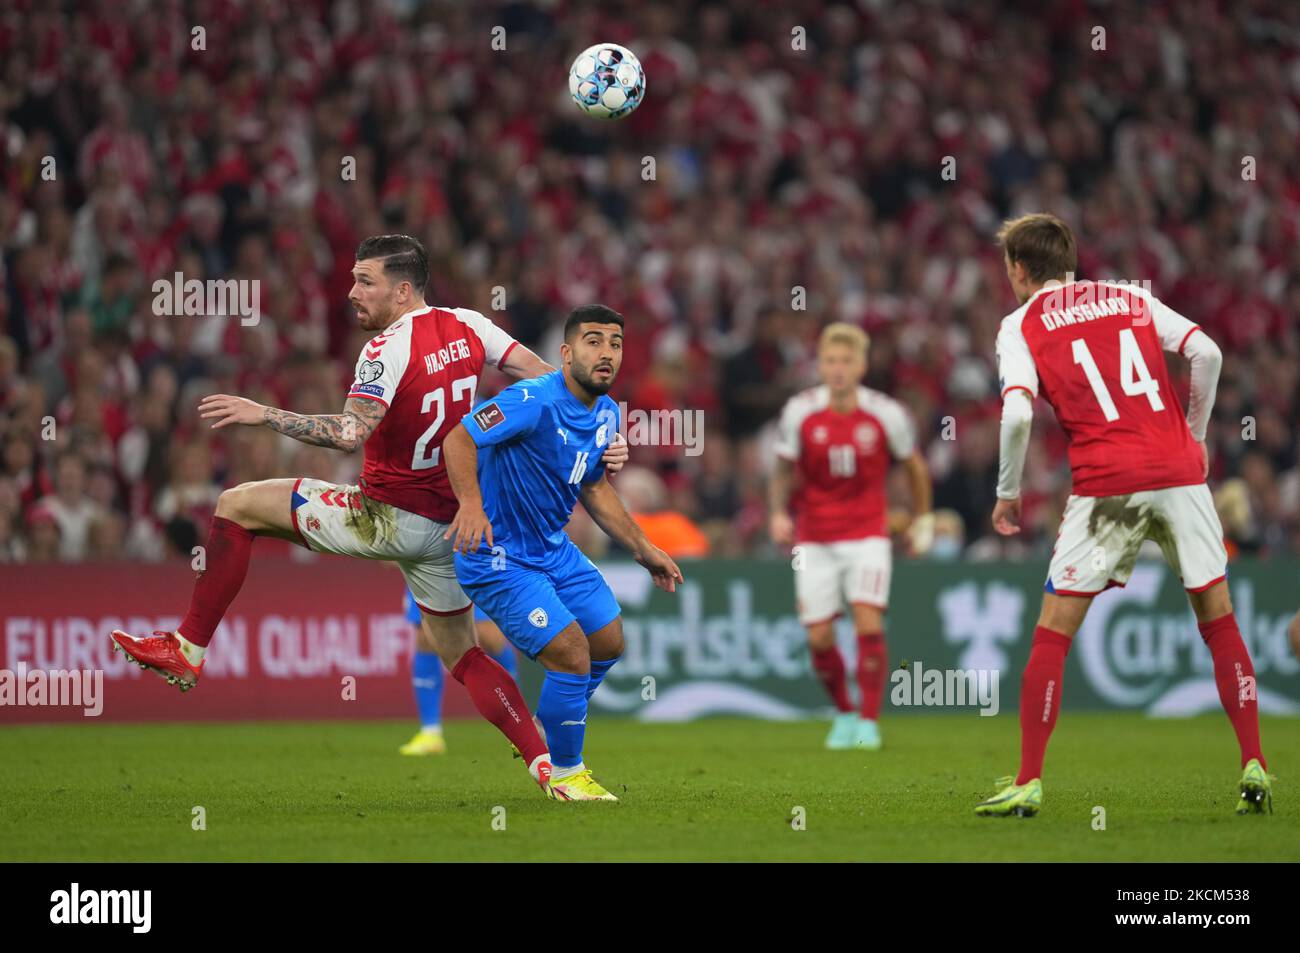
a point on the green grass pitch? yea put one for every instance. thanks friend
(721, 789)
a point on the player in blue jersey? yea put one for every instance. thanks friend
(518, 464)
(426, 675)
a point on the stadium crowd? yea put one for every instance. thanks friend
(793, 163)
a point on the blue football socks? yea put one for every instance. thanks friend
(562, 708)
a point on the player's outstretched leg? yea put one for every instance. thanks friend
(493, 692)
(828, 664)
(243, 512)
(1234, 676)
(494, 642)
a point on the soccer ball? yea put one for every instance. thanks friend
(607, 81)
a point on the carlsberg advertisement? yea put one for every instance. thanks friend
(728, 642)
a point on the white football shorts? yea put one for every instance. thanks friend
(1100, 536)
(331, 518)
(827, 575)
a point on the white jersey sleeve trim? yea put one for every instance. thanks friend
(1016, 368)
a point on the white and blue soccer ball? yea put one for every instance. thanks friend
(607, 81)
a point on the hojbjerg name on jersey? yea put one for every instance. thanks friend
(457, 350)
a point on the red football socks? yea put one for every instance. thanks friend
(872, 662)
(229, 546)
(829, 666)
(497, 698)
(1040, 699)
(1235, 677)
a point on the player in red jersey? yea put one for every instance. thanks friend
(834, 448)
(1095, 352)
(414, 380)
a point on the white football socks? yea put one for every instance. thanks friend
(193, 653)
(559, 774)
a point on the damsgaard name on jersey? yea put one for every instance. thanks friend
(1081, 313)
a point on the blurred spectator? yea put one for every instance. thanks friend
(69, 506)
(44, 543)
(191, 495)
(1232, 502)
(646, 499)
(757, 381)
(949, 535)
(973, 480)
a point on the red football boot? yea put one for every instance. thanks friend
(161, 653)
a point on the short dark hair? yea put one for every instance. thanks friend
(404, 258)
(590, 314)
(1042, 243)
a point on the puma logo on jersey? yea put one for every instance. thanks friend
(527, 396)
(563, 433)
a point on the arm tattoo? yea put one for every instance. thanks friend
(346, 431)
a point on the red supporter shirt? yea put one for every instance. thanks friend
(425, 368)
(1095, 352)
(841, 462)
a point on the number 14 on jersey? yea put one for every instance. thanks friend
(1134, 377)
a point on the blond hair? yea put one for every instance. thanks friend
(850, 335)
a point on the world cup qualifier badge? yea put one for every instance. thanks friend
(488, 417)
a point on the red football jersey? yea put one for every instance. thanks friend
(424, 367)
(1095, 352)
(841, 462)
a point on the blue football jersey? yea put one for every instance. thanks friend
(538, 446)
